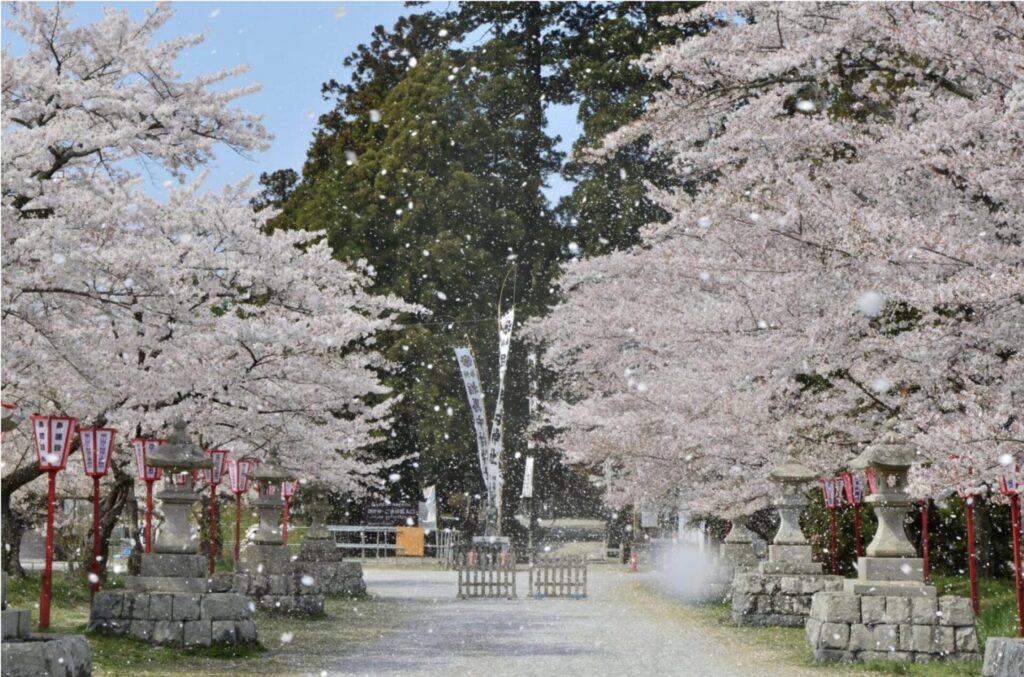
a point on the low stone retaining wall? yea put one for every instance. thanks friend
(845, 626)
(175, 619)
(294, 594)
(1004, 657)
(777, 599)
(338, 579)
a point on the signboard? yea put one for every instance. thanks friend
(390, 514)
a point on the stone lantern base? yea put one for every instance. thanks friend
(179, 619)
(780, 593)
(320, 558)
(845, 626)
(172, 603)
(25, 655)
(887, 613)
(294, 593)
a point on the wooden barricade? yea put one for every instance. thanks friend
(485, 571)
(553, 576)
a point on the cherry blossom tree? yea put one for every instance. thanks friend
(846, 249)
(130, 311)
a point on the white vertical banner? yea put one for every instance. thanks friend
(494, 456)
(528, 478)
(476, 405)
(532, 402)
(428, 508)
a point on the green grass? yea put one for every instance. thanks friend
(788, 646)
(312, 643)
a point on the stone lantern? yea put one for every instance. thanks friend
(175, 548)
(780, 593)
(891, 557)
(888, 612)
(172, 602)
(789, 552)
(267, 548)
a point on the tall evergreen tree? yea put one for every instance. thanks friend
(432, 165)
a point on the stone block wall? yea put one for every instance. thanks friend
(281, 593)
(337, 579)
(777, 599)
(185, 620)
(844, 626)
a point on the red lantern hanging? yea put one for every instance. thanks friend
(214, 476)
(53, 436)
(143, 446)
(1010, 486)
(832, 489)
(97, 450)
(238, 481)
(853, 485)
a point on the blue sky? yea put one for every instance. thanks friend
(290, 48)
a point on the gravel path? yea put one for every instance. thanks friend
(605, 634)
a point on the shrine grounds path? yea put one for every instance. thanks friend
(412, 624)
(622, 628)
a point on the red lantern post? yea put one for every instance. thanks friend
(53, 438)
(831, 487)
(143, 446)
(853, 486)
(238, 481)
(288, 490)
(969, 497)
(97, 450)
(1010, 486)
(214, 476)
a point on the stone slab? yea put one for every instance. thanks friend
(165, 584)
(806, 568)
(888, 588)
(1004, 657)
(789, 553)
(893, 569)
(63, 655)
(172, 565)
(16, 623)
(738, 554)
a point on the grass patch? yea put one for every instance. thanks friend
(289, 646)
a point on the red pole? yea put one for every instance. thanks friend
(238, 524)
(856, 530)
(972, 570)
(95, 587)
(47, 585)
(213, 527)
(149, 516)
(1019, 584)
(924, 540)
(284, 523)
(835, 561)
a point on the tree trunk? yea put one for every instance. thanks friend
(14, 525)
